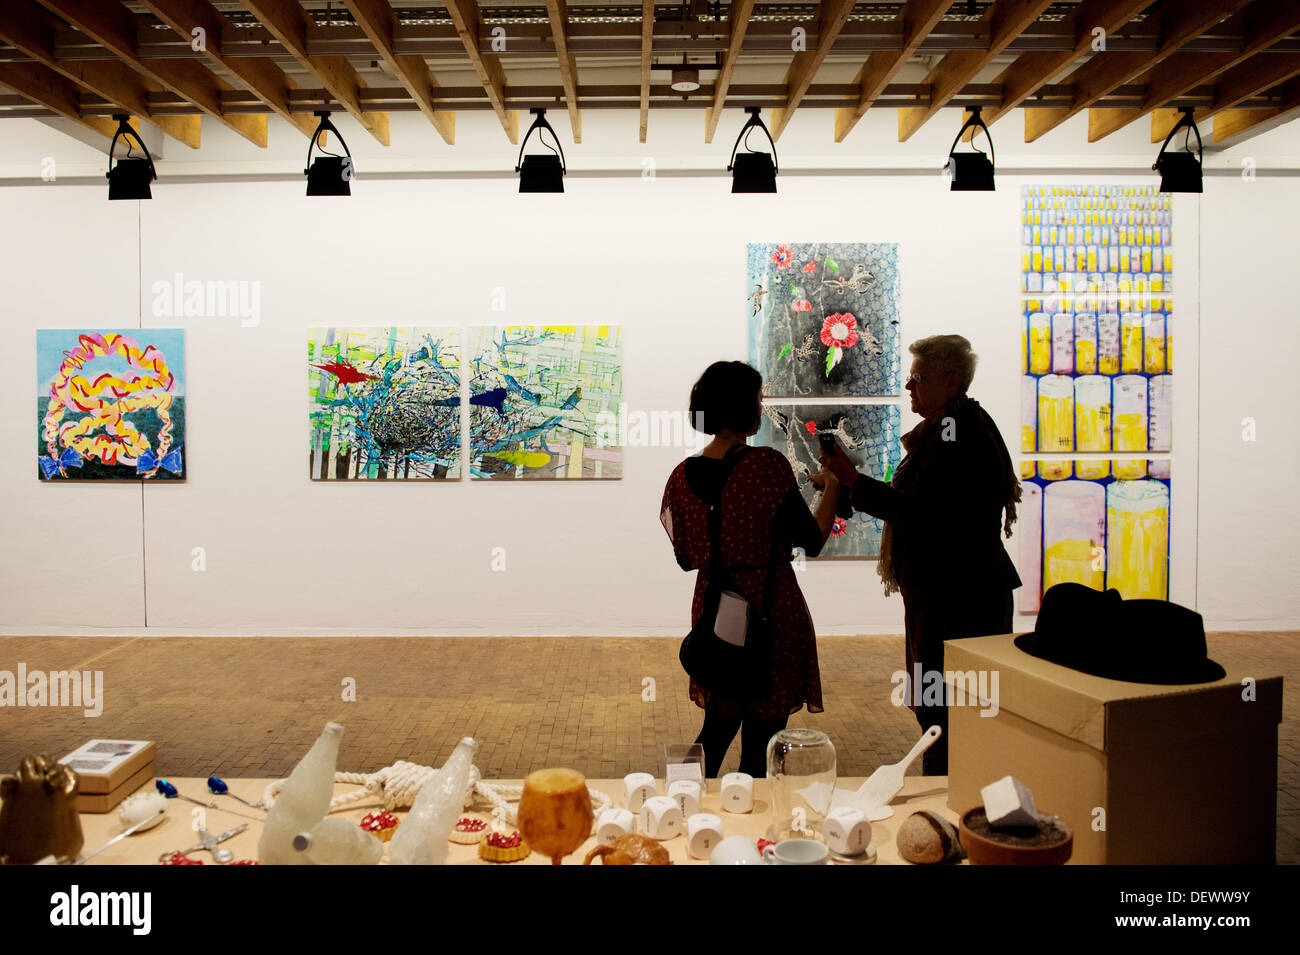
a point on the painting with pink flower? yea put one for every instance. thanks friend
(824, 318)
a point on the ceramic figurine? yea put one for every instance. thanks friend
(39, 817)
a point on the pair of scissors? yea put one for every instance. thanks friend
(210, 842)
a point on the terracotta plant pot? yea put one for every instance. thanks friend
(984, 850)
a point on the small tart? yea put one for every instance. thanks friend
(380, 824)
(503, 847)
(469, 829)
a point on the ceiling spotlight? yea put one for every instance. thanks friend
(686, 79)
(130, 178)
(539, 172)
(753, 171)
(329, 175)
(1181, 171)
(971, 172)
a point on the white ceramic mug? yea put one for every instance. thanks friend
(637, 788)
(703, 834)
(797, 852)
(661, 818)
(686, 793)
(737, 792)
(735, 850)
(613, 824)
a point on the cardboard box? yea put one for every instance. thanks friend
(1142, 774)
(107, 802)
(104, 765)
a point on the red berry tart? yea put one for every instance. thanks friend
(469, 829)
(179, 858)
(503, 847)
(380, 824)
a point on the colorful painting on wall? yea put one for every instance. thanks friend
(1101, 523)
(385, 403)
(1097, 322)
(869, 435)
(545, 402)
(110, 404)
(823, 318)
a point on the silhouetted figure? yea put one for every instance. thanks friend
(943, 511)
(761, 510)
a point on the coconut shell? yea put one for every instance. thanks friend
(926, 838)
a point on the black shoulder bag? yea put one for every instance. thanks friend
(735, 671)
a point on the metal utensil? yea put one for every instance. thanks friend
(886, 782)
(209, 842)
(120, 836)
(217, 785)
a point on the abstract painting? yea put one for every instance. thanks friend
(823, 318)
(1101, 523)
(869, 435)
(544, 402)
(1096, 327)
(110, 404)
(385, 403)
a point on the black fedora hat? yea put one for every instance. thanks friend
(1139, 641)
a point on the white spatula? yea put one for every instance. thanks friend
(885, 783)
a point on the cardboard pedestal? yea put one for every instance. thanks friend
(1143, 774)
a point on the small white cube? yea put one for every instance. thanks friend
(614, 824)
(637, 788)
(1008, 802)
(847, 831)
(703, 832)
(686, 793)
(661, 818)
(738, 792)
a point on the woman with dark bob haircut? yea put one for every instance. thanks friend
(763, 518)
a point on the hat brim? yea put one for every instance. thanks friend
(1204, 671)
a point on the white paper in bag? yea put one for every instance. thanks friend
(733, 618)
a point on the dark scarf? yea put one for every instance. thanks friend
(919, 444)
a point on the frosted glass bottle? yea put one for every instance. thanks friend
(338, 842)
(421, 839)
(303, 802)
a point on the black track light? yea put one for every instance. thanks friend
(329, 175)
(753, 171)
(1181, 171)
(130, 178)
(971, 172)
(539, 172)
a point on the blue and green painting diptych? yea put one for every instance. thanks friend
(545, 402)
(385, 403)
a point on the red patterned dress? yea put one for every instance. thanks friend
(761, 503)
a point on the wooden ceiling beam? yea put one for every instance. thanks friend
(29, 28)
(831, 17)
(260, 75)
(1262, 25)
(1255, 76)
(1179, 22)
(54, 91)
(113, 26)
(287, 22)
(469, 22)
(1234, 126)
(558, 13)
(738, 15)
(1004, 21)
(647, 40)
(917, 19)
(377, 19)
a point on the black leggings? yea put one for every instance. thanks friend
(718, 732)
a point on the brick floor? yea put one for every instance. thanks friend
(251, 706)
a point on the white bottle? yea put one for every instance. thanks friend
(303, 802)
(421, 839)
(338, 842)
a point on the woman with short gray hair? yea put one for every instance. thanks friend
(952, 493)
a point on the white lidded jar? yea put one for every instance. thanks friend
(303, 802)
(421, 839)
(338, 842)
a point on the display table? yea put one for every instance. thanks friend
(176, 832)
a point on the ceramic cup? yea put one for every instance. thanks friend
(736, 850)
(797, 852)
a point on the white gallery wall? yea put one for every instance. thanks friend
(661, 255)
